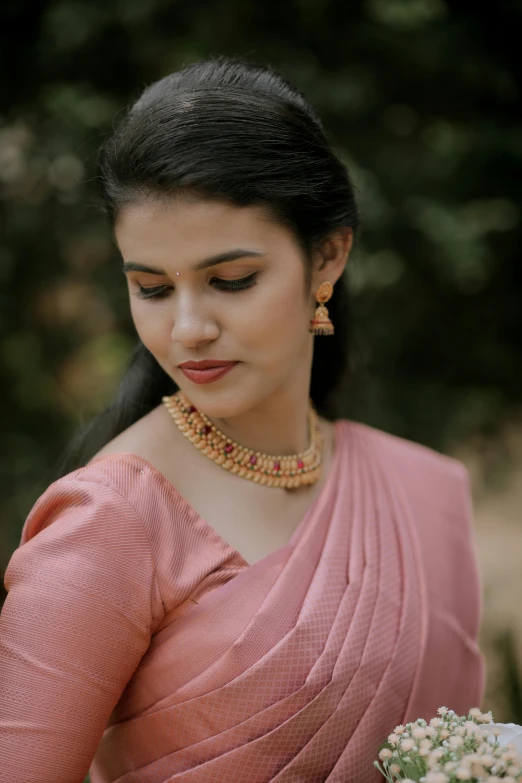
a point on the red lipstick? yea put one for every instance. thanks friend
(206, 370)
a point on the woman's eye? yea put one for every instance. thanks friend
(235, 285)
(159, 291)
(151, 293)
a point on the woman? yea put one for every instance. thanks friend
(234, 588)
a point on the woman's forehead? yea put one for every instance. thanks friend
(195, 228)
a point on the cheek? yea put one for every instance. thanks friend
(153, 325)
(276, 318)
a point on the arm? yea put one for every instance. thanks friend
(81, 606)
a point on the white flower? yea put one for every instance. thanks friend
(455, 741)
(463, 773)
(393, 739)
(510, 733)
(436, 777)
(478, 770)
(419, 732)
(435, 722)
(407, 744)
(384, 754)
(442, 711)
(460, 731)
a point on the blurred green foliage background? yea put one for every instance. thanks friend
(422, 100)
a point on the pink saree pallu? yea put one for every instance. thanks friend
(135, 641)
(298, 667)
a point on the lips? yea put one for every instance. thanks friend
(205, 364)
(206, 371)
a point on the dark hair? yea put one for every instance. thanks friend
(226, 129)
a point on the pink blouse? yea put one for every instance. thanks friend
(136, 642)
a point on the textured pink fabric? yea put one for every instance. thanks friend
(135, 638)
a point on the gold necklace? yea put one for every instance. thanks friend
(284, 470)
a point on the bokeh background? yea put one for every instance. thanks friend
(422, 100)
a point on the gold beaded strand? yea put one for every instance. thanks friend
(289, 471)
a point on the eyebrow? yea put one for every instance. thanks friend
(221, 258)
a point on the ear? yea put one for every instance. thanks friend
(330, 258)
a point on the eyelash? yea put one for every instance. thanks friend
(158, 292)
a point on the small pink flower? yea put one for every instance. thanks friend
(455, 742)
(436, 777)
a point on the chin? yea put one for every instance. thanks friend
(224, 403)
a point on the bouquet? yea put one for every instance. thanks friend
(450, 749)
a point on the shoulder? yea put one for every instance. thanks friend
(434, 484)
(405, 453)
(146, 438)
(113, 488)
(99, 495)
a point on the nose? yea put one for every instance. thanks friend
(193, 323)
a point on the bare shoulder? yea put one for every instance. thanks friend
(147, 438)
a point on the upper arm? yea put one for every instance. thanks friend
(76, 622)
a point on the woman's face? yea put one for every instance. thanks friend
(253, 309)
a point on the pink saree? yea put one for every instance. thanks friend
(136, 641)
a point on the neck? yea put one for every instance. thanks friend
(277, 429)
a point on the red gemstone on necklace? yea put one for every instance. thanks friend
(192, 409)
(300, 463)
(277, 466)
(207, 429)
(253, 460)
(229, 448)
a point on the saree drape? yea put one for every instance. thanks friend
(136, 641)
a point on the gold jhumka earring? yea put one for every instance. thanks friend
(320, 323)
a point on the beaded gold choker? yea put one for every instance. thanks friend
(284, 470)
